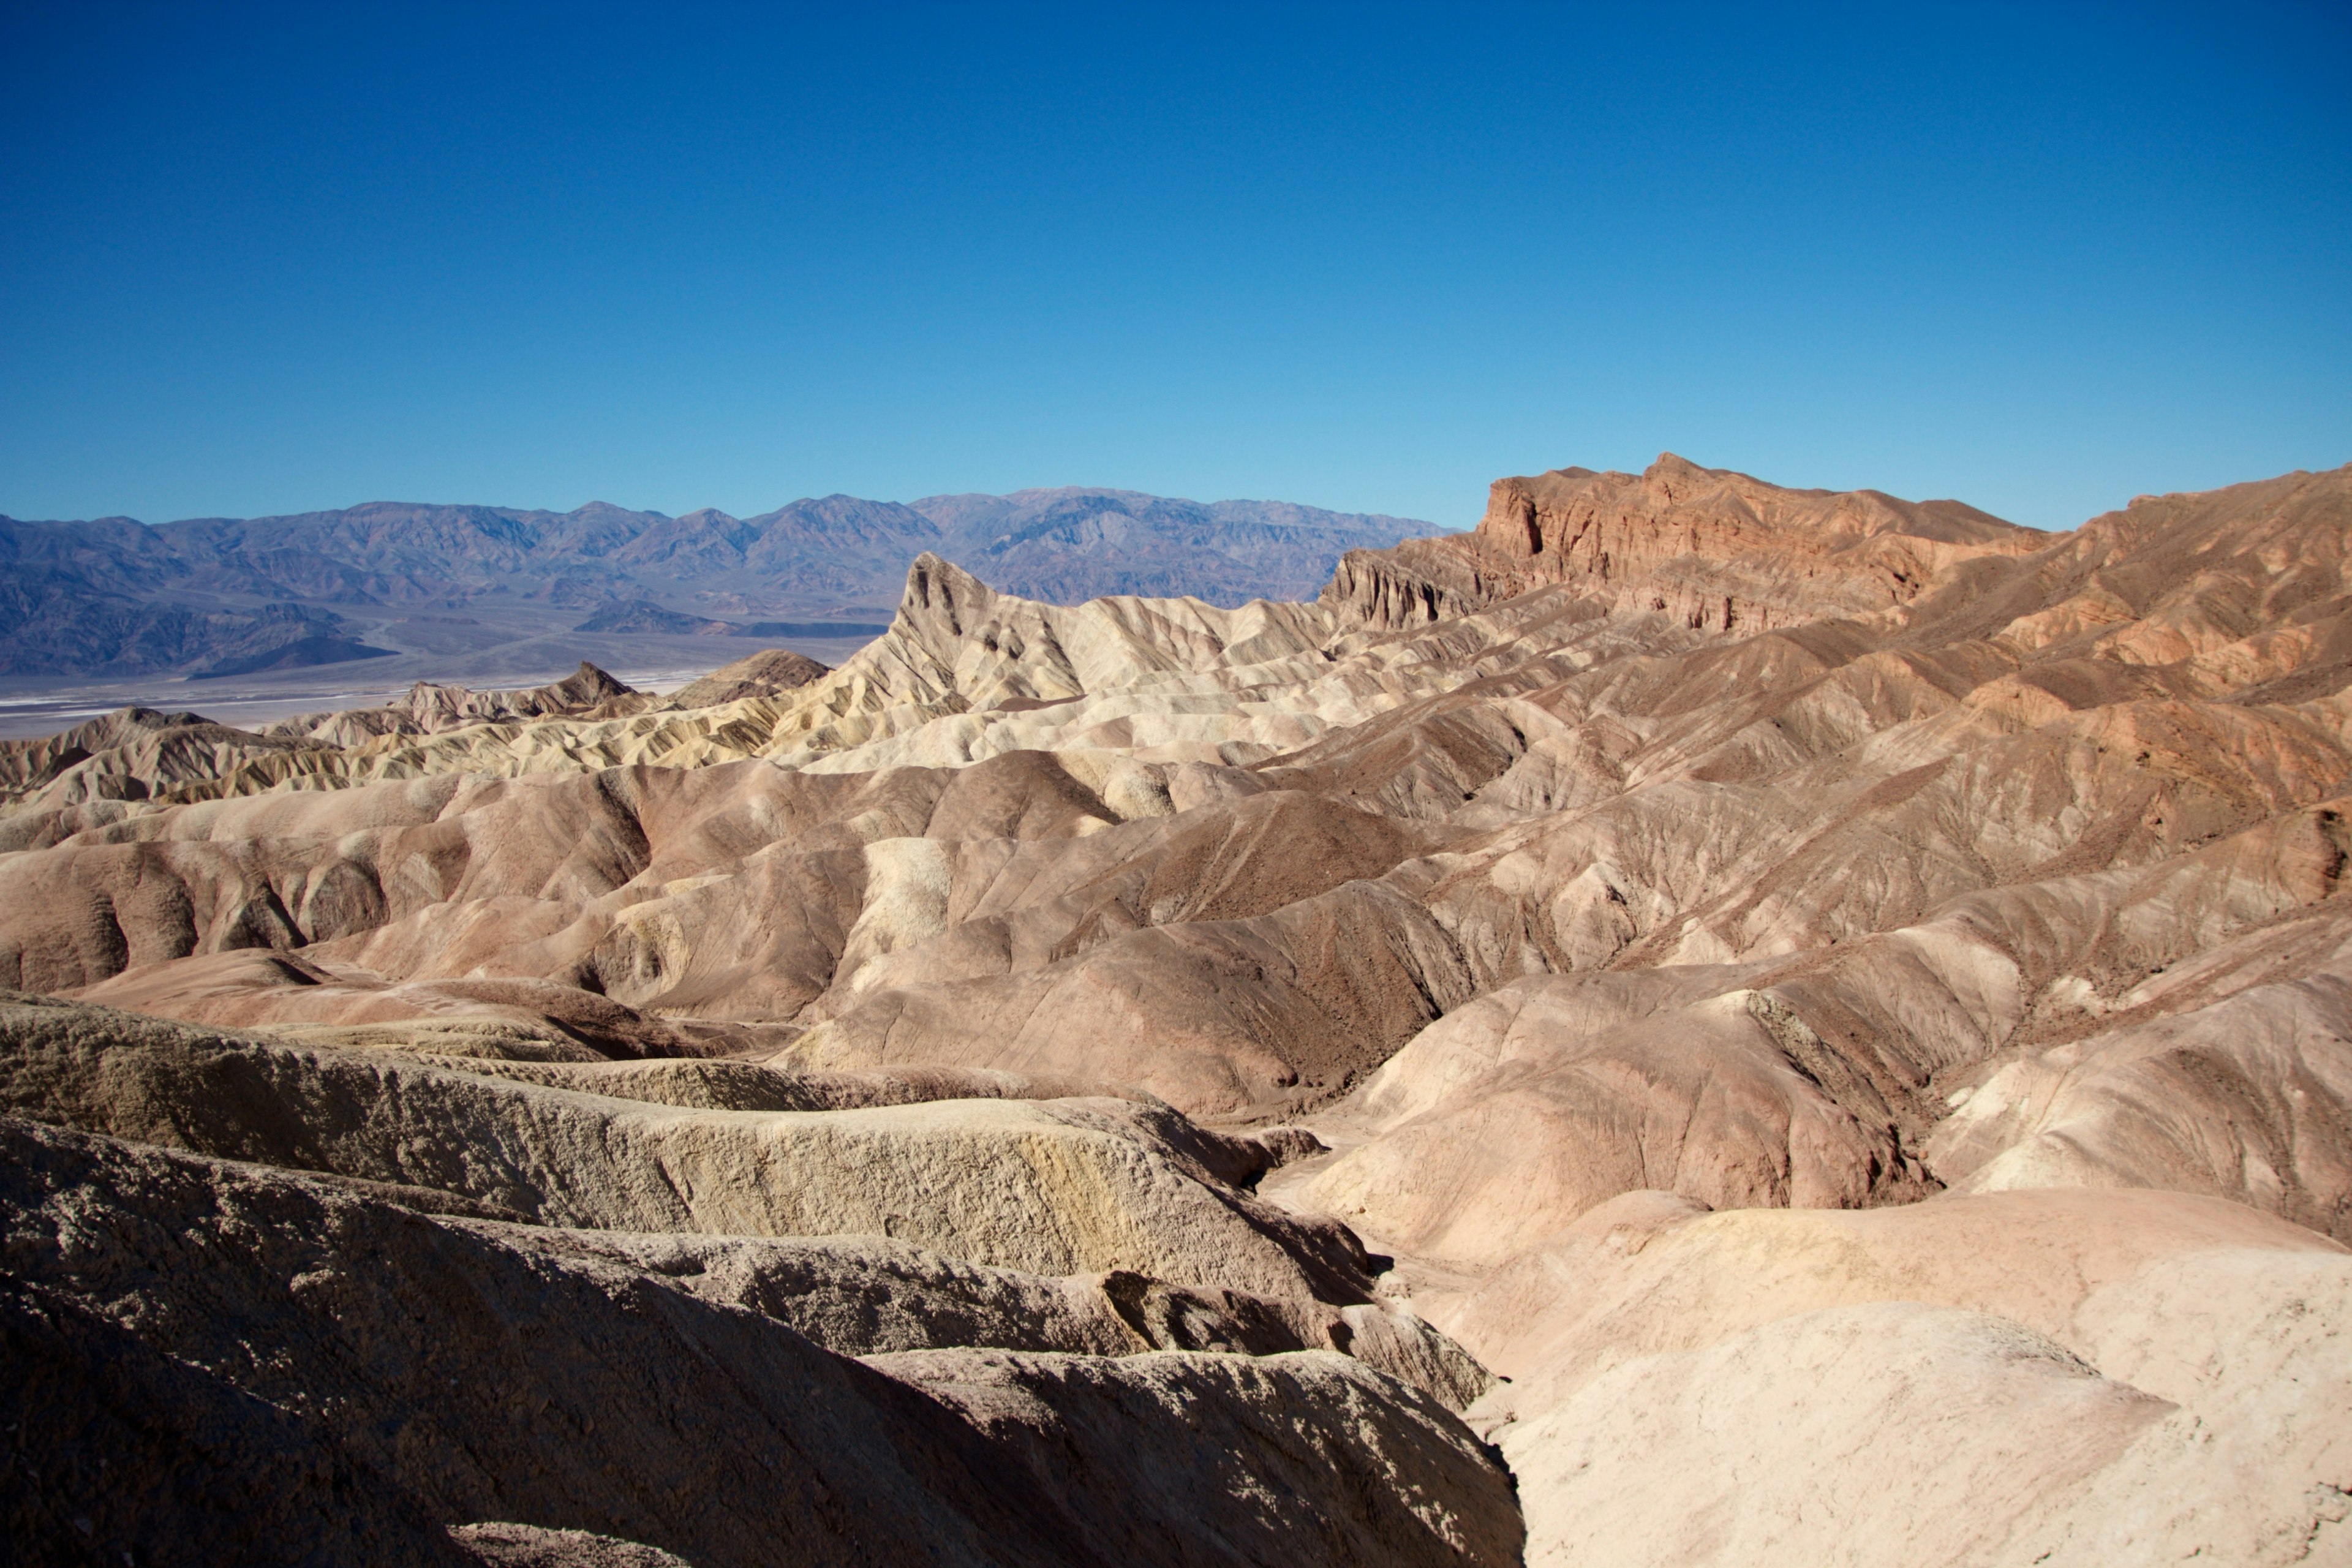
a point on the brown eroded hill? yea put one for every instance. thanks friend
(1747, 961)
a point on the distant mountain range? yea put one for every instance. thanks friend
(219, 596)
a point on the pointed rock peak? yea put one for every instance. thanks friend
(942, 596)
(1680, 473)
(932, 576)
(588, 681)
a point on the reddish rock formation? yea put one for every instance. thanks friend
(1715, 550)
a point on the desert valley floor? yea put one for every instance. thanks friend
(1699, 1023)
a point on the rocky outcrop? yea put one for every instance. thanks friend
(1045, 1187)
(1707, 548)
(865, 1295)
(226, 1363)
(767, 673)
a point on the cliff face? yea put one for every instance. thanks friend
(1712, 550)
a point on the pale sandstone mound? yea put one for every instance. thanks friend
(1704, 1099)
(1048, 1187)
(1878, 1434)
(226, 1363)
(2029, 1366)
(1649, 1272)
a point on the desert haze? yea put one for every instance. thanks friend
(1697, 1023)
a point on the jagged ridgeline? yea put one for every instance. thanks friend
(1840, 1002)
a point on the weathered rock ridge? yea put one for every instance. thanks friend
(1717, 549)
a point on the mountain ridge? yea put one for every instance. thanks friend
(116, 596)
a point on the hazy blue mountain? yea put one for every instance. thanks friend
(235, 596)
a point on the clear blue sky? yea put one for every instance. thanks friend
(262, 260)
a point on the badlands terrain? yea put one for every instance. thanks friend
(1699, 1023)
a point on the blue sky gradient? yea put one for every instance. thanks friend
(2043, 259)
